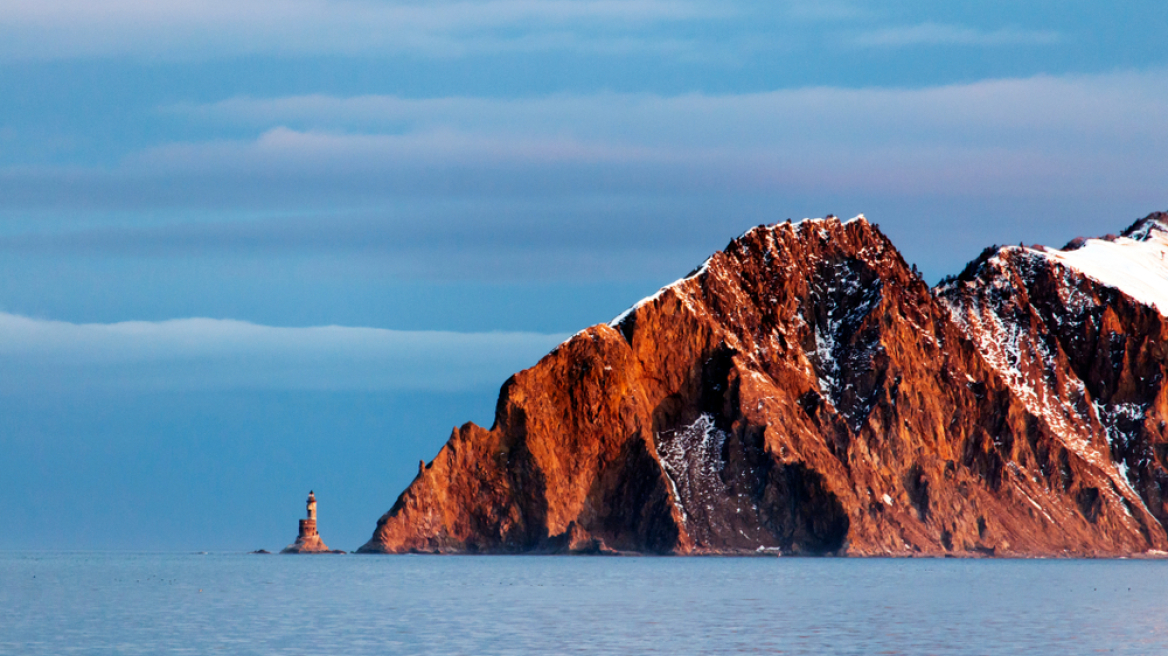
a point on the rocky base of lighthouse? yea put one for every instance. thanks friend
(308, 545)
(309, 541)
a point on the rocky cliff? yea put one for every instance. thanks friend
(1081, 337)
(805, 392)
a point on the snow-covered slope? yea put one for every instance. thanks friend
(1135, 264)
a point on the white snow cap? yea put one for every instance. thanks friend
(1135, 264)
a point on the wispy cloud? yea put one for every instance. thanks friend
(564, 182)
(989, 111)
(728, 32)
(940, 34)
(827, 10)
(1047, 134)
(199, 353)
(181, 28)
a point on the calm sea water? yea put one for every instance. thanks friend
(250, 604)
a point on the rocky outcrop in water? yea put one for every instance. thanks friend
(308, 539)
(805, 392)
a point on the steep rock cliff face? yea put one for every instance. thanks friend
(1080, 336)
(802, 392)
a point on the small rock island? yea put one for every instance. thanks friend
(308, 541)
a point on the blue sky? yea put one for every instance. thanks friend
(251, 247)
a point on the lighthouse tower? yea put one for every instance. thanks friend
(309, 539)
(308, 526)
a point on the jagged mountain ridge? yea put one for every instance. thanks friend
(805, 392)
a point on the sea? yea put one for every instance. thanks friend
(237, 603)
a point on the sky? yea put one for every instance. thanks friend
(250, 248)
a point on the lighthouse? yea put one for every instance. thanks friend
(308, 541)
(308, 526)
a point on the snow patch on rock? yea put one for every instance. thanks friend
(1136, 265)
(692, 459)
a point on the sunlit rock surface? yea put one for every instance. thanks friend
(805, 392)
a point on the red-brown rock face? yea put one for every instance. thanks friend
(805, 392)
(1084, 355)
